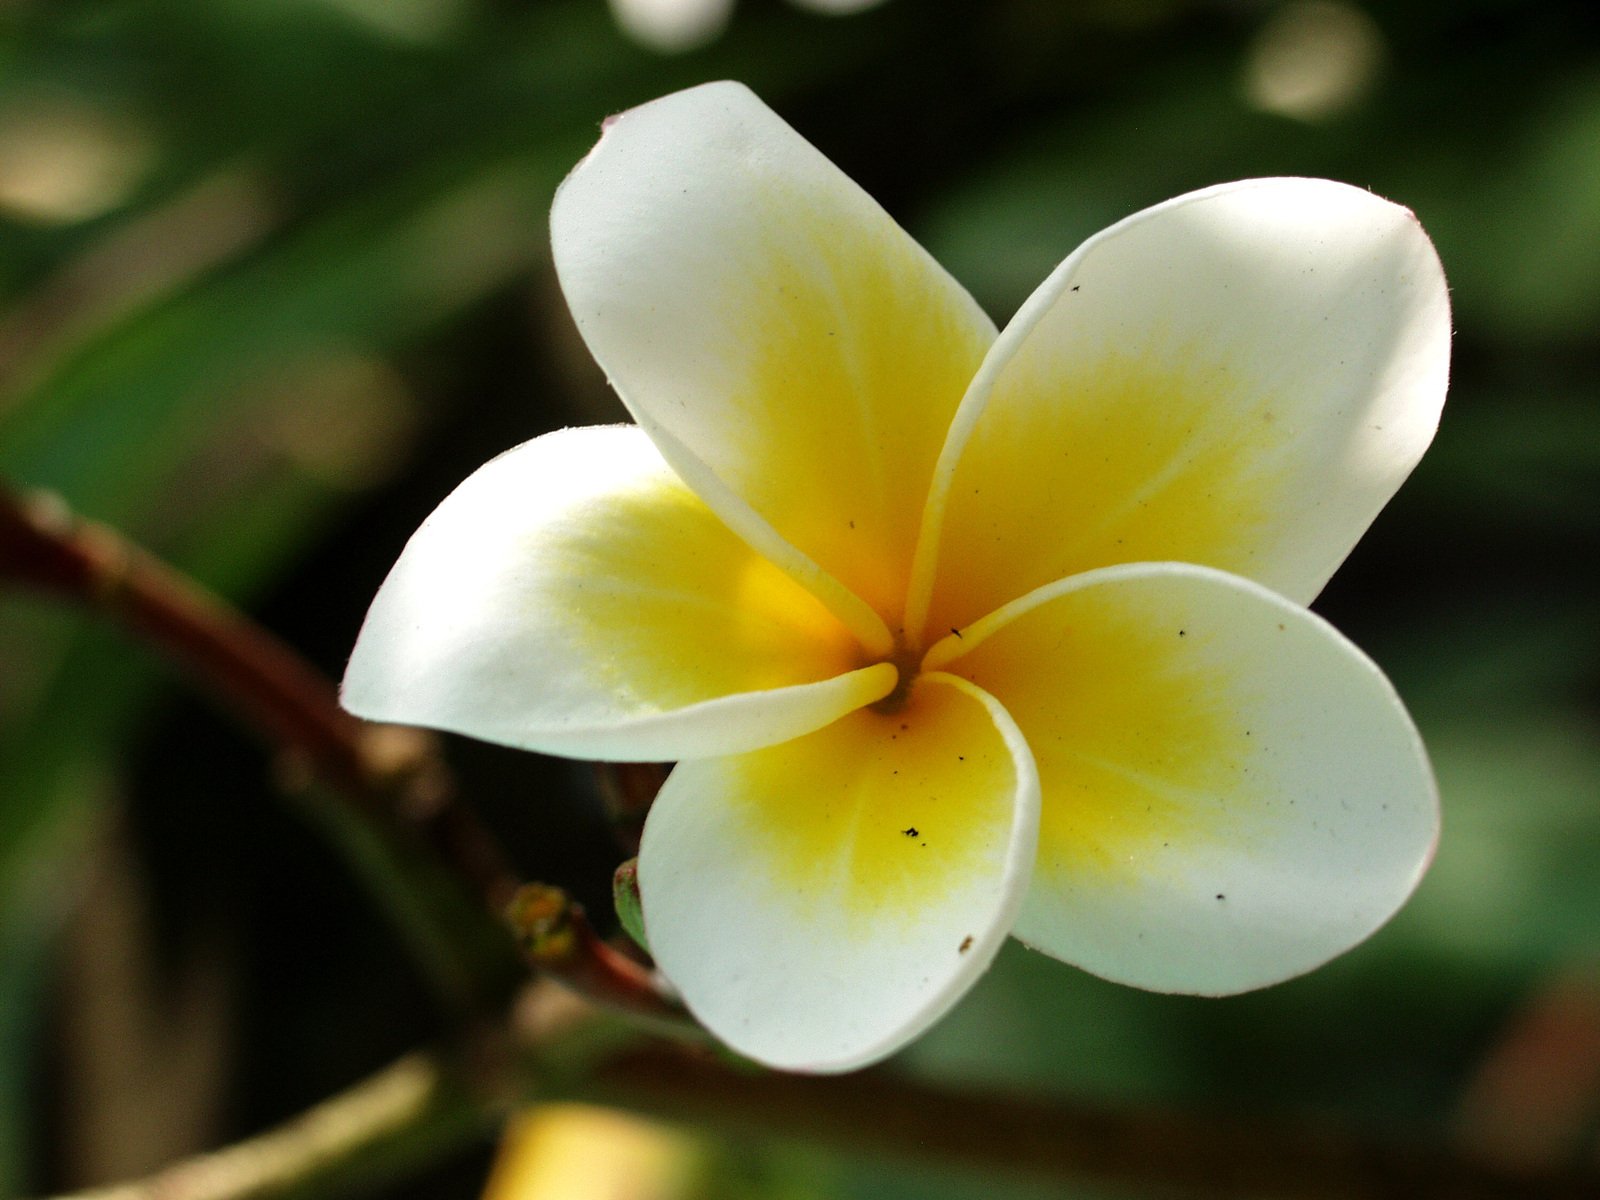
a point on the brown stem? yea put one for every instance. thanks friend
(408, 1115)
(555, 935)
(44, 546)
(392, 775)
(426, 1105)
(993, 1133)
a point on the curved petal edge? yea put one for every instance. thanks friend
(820, 903)
(573, 596)
(1240, 377)
(1232, 793)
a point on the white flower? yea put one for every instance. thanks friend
(953, 635)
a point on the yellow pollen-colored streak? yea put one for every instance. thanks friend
(854, 371)
(1134, 722)
(677, 609)
(1159, 458)
(876, 814)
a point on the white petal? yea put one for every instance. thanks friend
(573, 596)
(822, 902)
(776, 332)
(1231, 792)
(1240, 377)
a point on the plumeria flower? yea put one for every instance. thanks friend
(952, 634)
(677, 25)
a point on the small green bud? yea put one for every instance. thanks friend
(630, 909)
(541, 918)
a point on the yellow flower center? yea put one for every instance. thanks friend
(907, 660)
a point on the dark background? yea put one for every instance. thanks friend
(274, 277)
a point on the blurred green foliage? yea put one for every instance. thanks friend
(274, 277)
